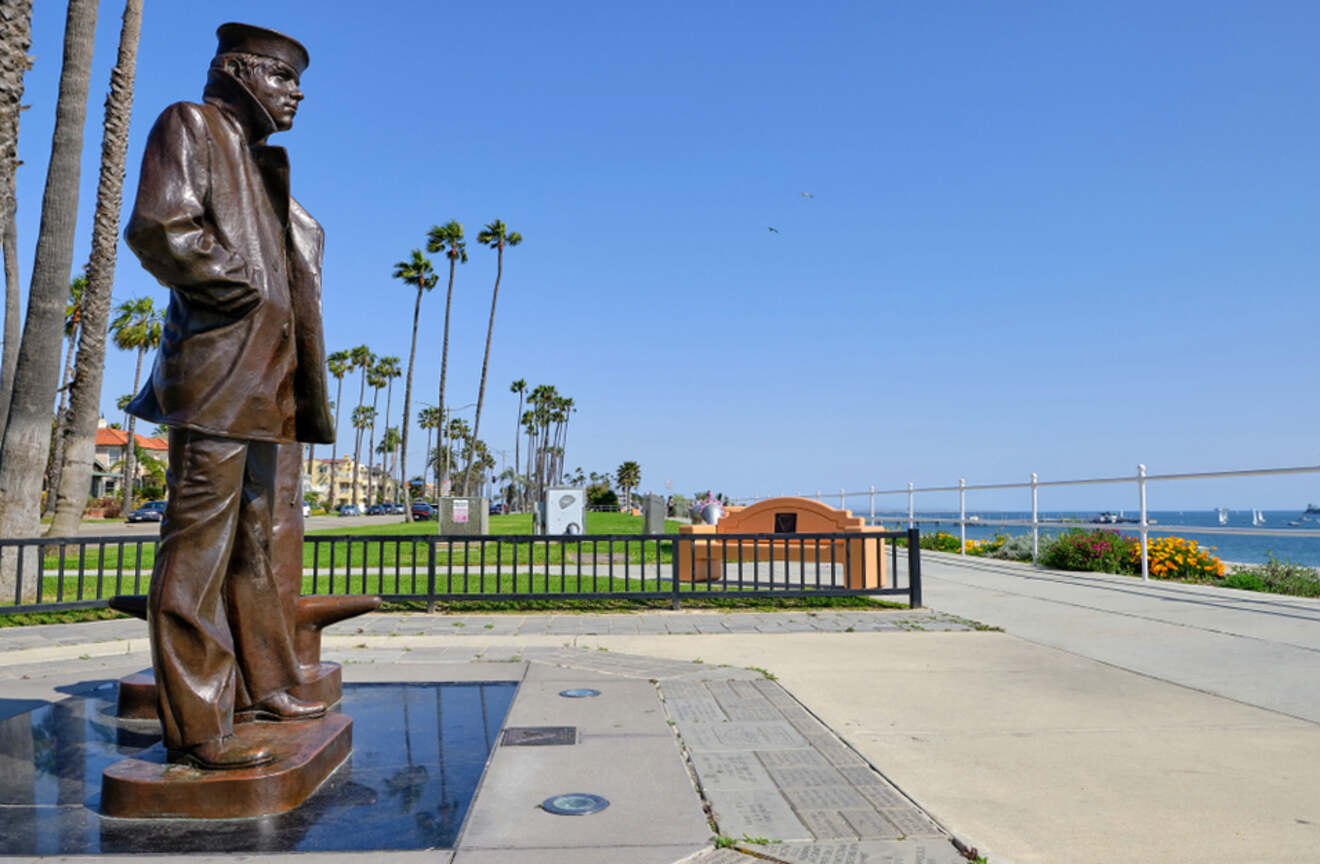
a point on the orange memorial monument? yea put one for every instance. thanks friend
(863, 561)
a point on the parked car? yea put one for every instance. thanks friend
(497, 509)
(307, 510)
(422, 511)
(376, 510)
(349, 510)
(152, 511)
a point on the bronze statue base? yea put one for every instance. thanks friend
(147, 786)
(137, 692)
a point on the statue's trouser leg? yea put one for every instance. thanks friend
(212, 592)
(286, 530)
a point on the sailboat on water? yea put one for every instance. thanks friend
(1257, 518)
(1223, 515)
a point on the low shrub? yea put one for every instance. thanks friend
(1177, 558)
(941, 541)
(1101, 550)
(1015, 548)
(986, 547)
(1276, 577)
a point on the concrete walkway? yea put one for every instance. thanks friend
(1261, 649)
(1111, 721)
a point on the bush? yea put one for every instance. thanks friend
(1016, 548)
(986, 547)
(1276, 577)
(1176, 558)
(1099, 551)
(602, 496)
(941, 541)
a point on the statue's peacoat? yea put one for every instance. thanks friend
(242, 354)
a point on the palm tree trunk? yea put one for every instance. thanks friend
(357, 440)
(444, 369)
(89, 368)
(61, 421)
(15, 39)
(130, 456)
(36, 375)
(334, 450)
(485, 364)
(371, 448)
(407, 418)
(517, 434)
(389, 394)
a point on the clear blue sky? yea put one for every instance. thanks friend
(1052, 237)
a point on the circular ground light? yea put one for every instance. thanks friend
(574, 804)
(579, 693)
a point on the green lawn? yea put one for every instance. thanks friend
(136, 558)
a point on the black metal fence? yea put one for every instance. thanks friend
(69, 573)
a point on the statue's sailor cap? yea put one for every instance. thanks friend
(246, 39)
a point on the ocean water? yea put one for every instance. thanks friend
(1244, 548)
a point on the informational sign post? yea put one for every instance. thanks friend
(464, 516)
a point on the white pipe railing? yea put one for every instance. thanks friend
(1141, 479)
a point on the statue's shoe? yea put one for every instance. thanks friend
(223, 754)
(279, 707)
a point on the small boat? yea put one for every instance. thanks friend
(1312, 509)
(1257, 518)
(1223, 515)
(1294, 524)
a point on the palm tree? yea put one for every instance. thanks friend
(389, 449)
(72, 321)
(377, 380)
(363, 416)
(339, 364)
(89, 368)
(447, 238)
(388, 368)
(495, 235)
(628, 475)
(26, 441)
(15, 39)
(519, 387)
(428, 419)
(137, 327)
(362, 361)
(416, 271)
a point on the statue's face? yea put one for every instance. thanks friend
(276, 87)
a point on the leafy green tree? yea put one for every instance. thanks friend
(448, 239)
(376, 378)
(629, 474)
(137, 327)
(388, 368)
(418, 272)
(497, 236)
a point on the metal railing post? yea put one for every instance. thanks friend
(430, 574)
(914, 568)
(872, 522)
(1035, 522)
(674, 552)
(1141, 491)
(910, 496)
(962, 515)
(841, 507)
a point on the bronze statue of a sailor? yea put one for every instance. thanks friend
(239, 379)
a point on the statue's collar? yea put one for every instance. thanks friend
(227, 92)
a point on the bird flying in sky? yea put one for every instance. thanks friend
(807, 195)
(774, 229)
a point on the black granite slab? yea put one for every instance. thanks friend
(419, 751)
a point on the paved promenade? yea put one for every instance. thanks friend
(1110, 721)
(1261, 649)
